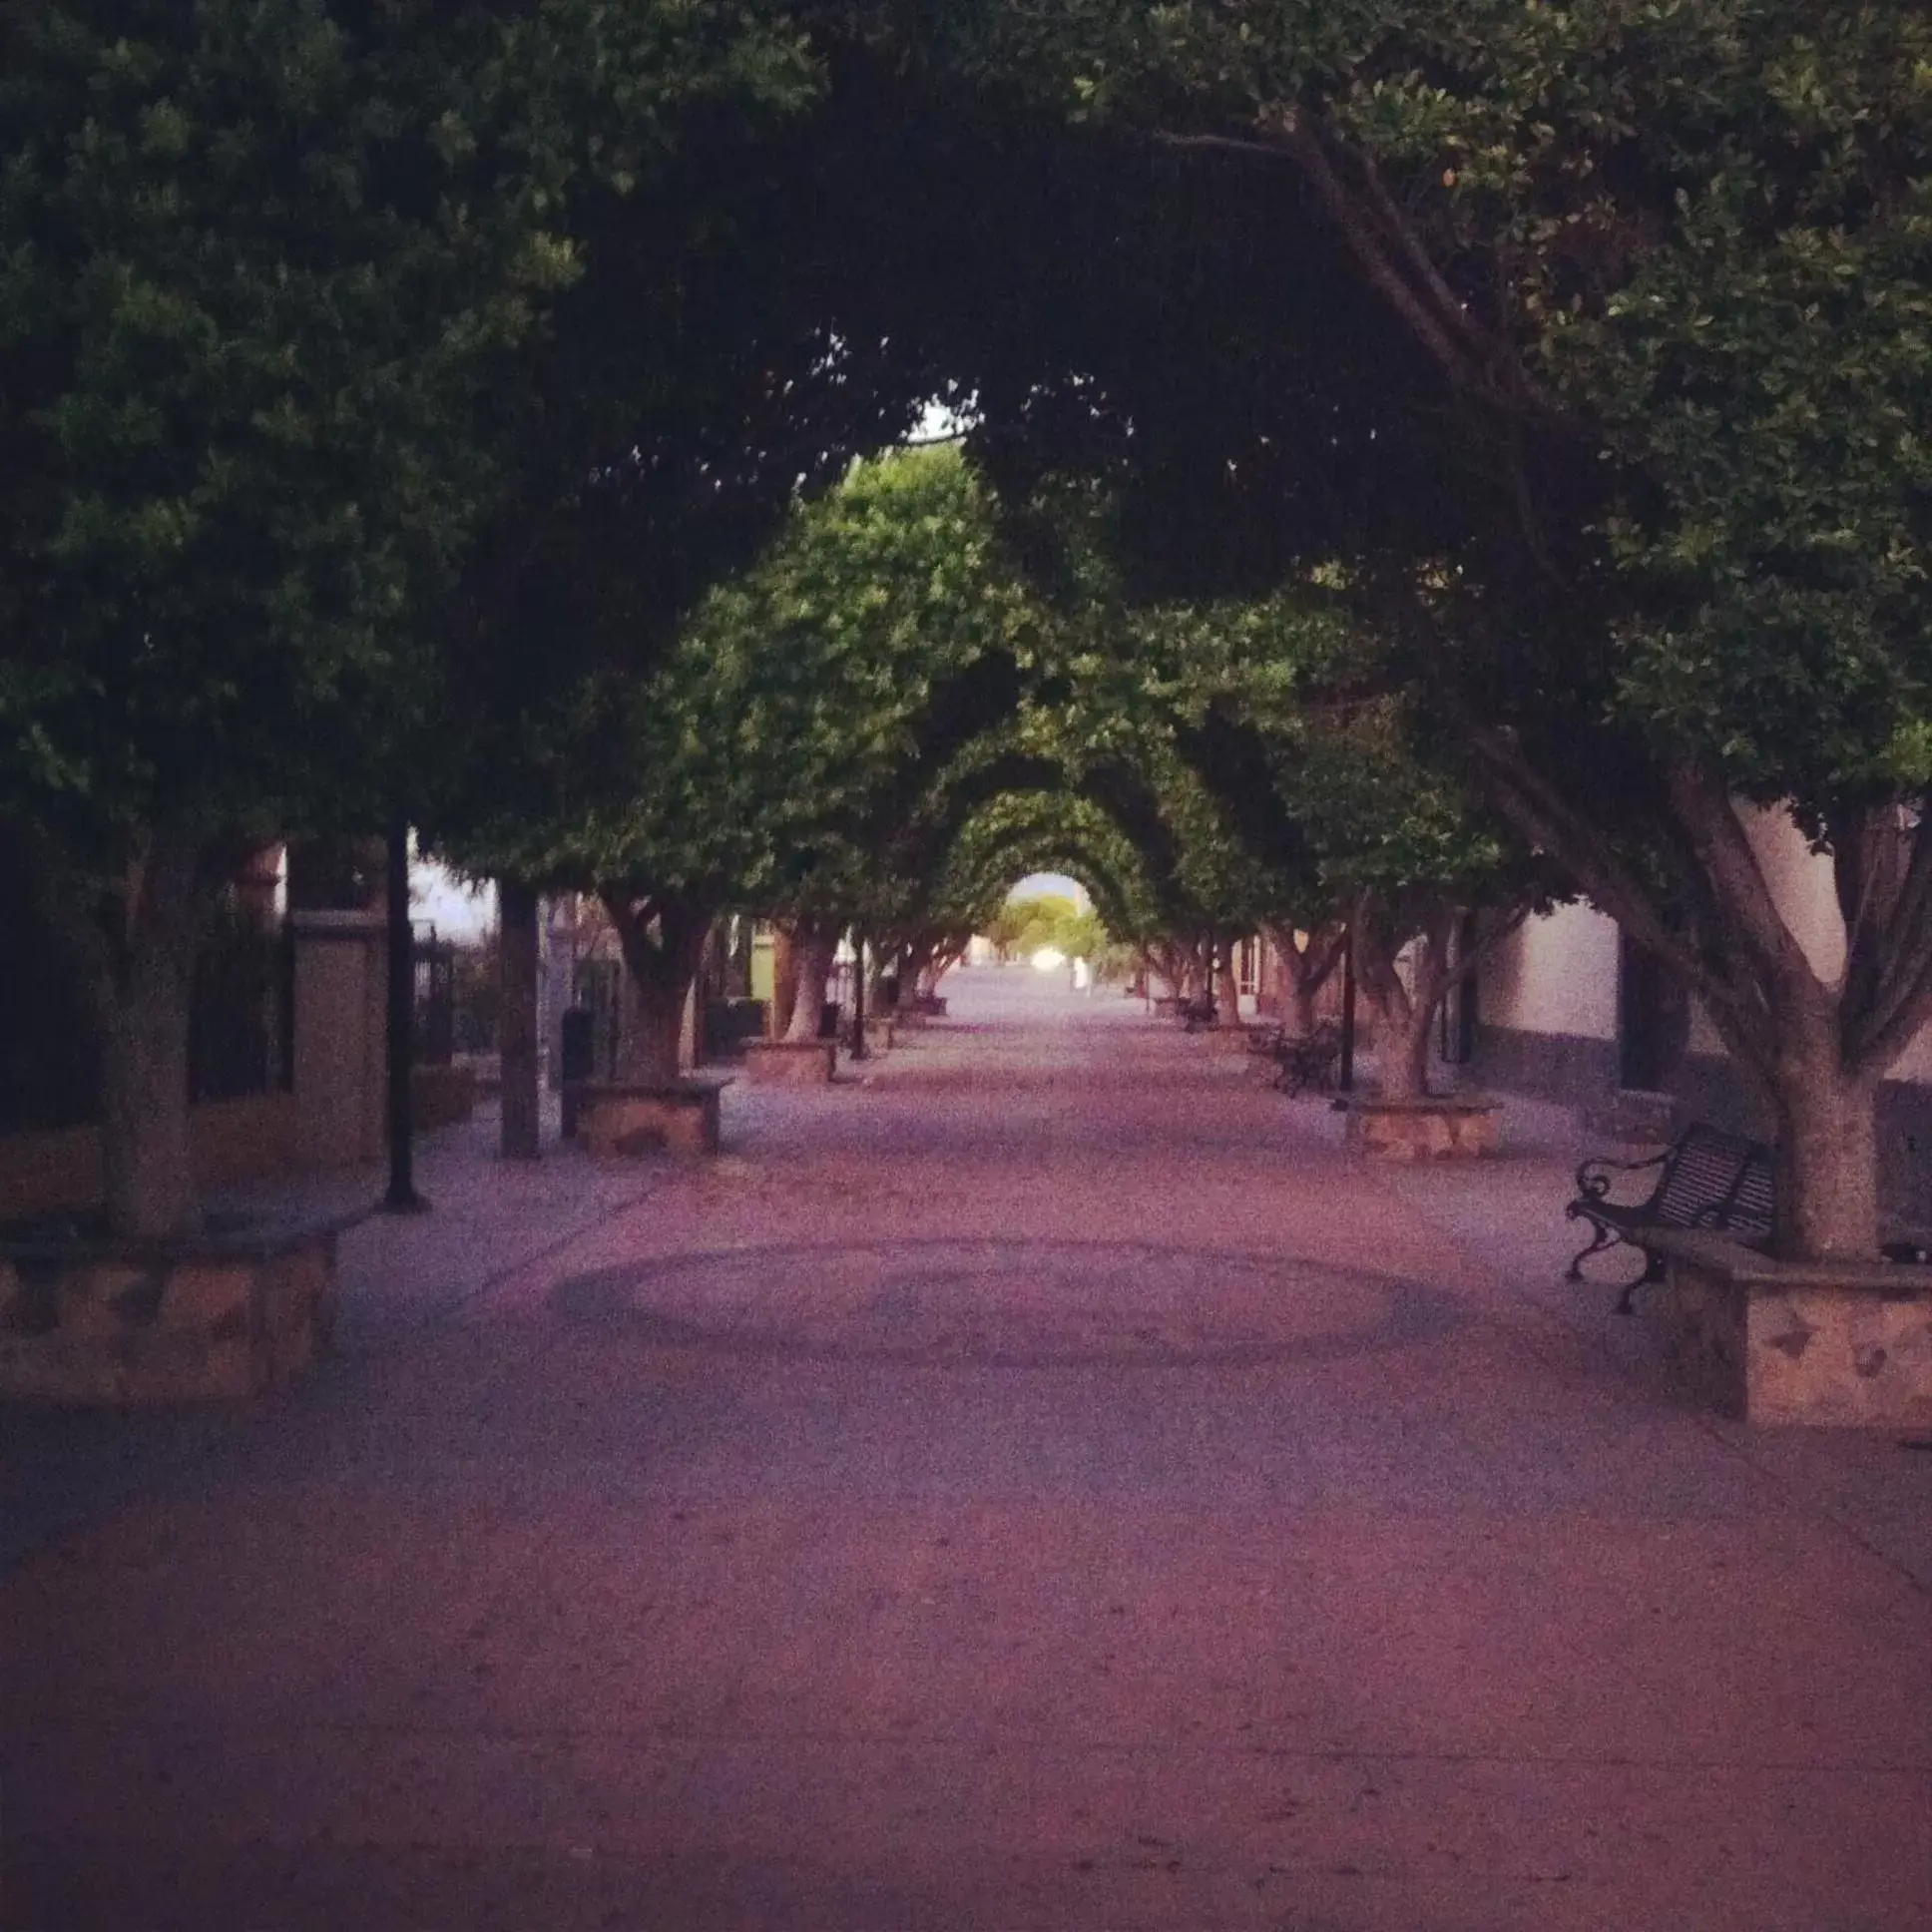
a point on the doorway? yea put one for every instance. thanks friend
(1653, 1020)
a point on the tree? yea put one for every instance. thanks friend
(1035, 822)
(765, 759)
(266, 259)
(1432, 880)
(1302, 786)
(901, 580)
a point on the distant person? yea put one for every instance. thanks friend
(1083, 977)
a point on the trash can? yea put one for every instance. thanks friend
(828, 1020)
(579, 1059)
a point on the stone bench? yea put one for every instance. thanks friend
(790, 1063)
(225, 1317)
(1821, 1345)
(618, 1118)
(1438, 1127)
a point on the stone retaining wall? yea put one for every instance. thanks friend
(789, 1063)
(616, 1118)
(221, 1319)
(1441, 1128)
(1797, 1342)
(443, 1095)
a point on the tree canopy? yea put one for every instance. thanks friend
(1578, 354)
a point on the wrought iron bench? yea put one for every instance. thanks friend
(1300, 1063)
(1704, 1178)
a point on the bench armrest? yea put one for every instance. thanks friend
(1594, 1177)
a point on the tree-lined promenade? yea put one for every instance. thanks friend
(1358, 476)
(1422, 461)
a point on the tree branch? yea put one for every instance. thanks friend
(1888, 960)
(1878, 1042)
(1547, 822)
(1489, 936)
(1703, 807)
(1300, 141)
(1399, 230)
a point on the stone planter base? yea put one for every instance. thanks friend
(789, 1063)
(1449, 1126)
(1797, 1342)
(621, 1118)
(225, 1317)
(929, 1006)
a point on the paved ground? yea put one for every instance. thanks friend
(1049, 1486)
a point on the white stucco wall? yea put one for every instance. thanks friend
(1556, 974)
(1915, 1063)
(1802, 884)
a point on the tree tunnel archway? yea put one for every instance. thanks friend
(1018, 832)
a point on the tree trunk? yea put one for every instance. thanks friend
(1827, 1159)
(399, 1025)
(1228, 1003)
(146, 1165)
(1298, 1010)
(662, 970)
(520, 1031)
(812, 950)
(1793, 1031)
(784, 985)
(1401, 1016)
(913, 970)
(135, 958)
(656, 1032)
(1301, 973)
(1402, 1050)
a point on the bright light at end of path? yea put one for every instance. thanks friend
(1049, 959)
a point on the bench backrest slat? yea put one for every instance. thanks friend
(1754, 1199)
(1712, 1170)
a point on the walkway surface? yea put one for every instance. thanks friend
(1046, 1485)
